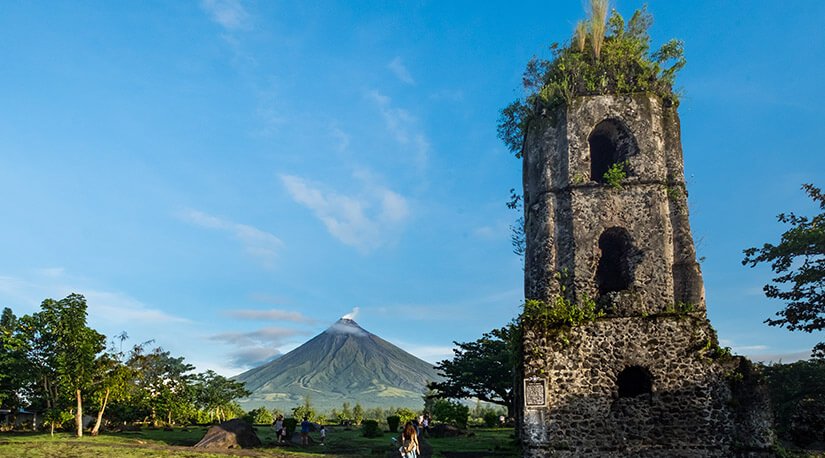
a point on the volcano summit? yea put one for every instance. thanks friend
(345, 363)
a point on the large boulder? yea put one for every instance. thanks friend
(234, 433)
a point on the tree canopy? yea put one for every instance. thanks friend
(481, 369)
(798, 260)
(53, 363)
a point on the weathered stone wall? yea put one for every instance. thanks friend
(697, 403)
(687, 413)
(565, 211)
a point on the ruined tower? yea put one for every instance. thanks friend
(645, 376)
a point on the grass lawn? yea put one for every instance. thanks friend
(340, 442)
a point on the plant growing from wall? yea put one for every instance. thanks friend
(615, 174)
(601, 58)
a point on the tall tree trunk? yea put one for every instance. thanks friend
(78, 418)
(169, 418)
(96, 429)
(52, 428)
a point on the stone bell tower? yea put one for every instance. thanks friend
(646, 377)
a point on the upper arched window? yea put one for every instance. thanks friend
(615, 270)
(634, 381)
(610, 142)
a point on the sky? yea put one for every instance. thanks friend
(229, 178)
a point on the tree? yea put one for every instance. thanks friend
(60, 351)
(77, 345)
(799, 262)
(112, 382)
(357, 414)
(483, 369)
(304, 410)
(163, 383)
(13, 367)
(215, 393)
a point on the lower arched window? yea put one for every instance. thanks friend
(634, 381)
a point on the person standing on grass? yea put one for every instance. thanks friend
(409, 442)
(279, 425)
(305, 425)
(323, 434)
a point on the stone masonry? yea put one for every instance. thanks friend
(647, 378)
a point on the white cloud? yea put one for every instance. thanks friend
(271, 314)
(253, 348)
(272, 336)
(119, 309)
(342, 138)
(252, 357)
(400, 71)
(429, 353)
(403, 127)
(229, 14)
(364, 221)
(257, 243)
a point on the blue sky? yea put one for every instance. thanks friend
(229, 178)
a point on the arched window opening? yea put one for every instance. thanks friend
(610, 143)
(634, 381)
(614, 272)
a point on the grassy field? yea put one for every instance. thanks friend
(340, 442)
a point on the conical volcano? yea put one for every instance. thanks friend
(345, 363)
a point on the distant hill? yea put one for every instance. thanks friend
(343, 363)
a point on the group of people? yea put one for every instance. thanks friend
(306, 426)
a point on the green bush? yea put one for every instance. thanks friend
(451, 412)
(490, 419)
(393, 421)
(369, 428)
(290, 424)
(259, 416)
(405, 414)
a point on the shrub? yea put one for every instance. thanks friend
(451, 412)
(405, 414)
(369, 428)
(490, 419)
(259, 416)
(393, 421)
(290, 424)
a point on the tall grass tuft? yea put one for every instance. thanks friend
(598, 24)
(580, 36)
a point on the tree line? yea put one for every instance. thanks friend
(53, 363)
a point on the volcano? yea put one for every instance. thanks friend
(345, 363)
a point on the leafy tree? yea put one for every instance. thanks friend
(483, 369)
(77, 345)
(215, 393)
(59, 350)
(259, 416)
(112, 382)
(357, 414)
(162, 383)
(795, 388)
(12, 361)
(304, 410)
(405, 414)
(799, 262)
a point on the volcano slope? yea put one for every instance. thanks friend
(345, 363)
